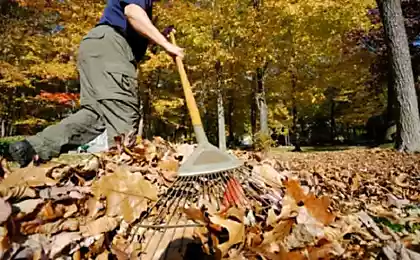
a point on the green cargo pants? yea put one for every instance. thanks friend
(108, 95)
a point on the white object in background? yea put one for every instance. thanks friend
(99, 144)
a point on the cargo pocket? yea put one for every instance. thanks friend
(94, 44)
(121, 81)
(94, 34)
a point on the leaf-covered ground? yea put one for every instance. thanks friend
(355, 204)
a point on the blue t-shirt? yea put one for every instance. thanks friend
(114, 16)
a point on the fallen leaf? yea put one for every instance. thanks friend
(317, 207)
(235, 229)
(270, 175)
(197, 215)
(289, 207)
(394, 201)
(98, 226)
(279, 232)
(51, 211)
(127, 193)
(271, 217)
(94, 208)
(400, 180)
(28, 206)
(325, 251)
(60, 241)
(355, 182)
(169, 167)
(397, 251)
(184, 151)
(124, 249)
(92, 165)
(16, 192)
(5, 210)
(70, 210)
(32, 176)
(301, 236)
(103, 256)
(4, 241)
(96, 245)
(65, 192)
(37, 226)
(169, 164)
(371, 225)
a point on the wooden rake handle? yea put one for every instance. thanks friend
(189, 97)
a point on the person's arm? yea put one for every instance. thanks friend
(139, 20)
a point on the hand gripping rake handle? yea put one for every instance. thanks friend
(189, 97)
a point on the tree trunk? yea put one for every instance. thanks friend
(230, 119)
(408, 123)
(262, 104)
(3, 5)
(147, 109)
(3, 128)
(390, 108)
(221, 120)
(220, 109)
(141, 121)
(332, 121)
(295, 128)
(253, 108)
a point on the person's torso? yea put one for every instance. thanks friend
(114, 16)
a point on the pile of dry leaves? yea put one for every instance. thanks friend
(356, 204)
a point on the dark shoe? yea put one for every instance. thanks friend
(22, 152)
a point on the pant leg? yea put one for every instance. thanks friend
(120, 117)
(71, 132)
(109, 95)
(109, 79)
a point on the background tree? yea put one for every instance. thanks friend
(408, 122)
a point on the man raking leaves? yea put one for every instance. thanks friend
(107, 60)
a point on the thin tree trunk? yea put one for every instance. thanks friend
(141, 112)
(253, 107)
(295, 128)
(141, 121)
(332, 119)
(230, 118)
(220, 109)
(261, 101)
(221, 121)
(3, 128)
(408, 123)
(146, 114)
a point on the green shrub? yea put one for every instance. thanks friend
(263, 142)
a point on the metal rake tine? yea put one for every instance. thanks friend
(165, 199)
(179, 217)
(211, 186)
(191, 185)
(259, 178)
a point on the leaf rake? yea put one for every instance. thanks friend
(209, 177)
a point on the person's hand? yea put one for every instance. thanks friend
(168, 30)
(174, 50)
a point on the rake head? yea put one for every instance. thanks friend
(165, 231)
(207, 159)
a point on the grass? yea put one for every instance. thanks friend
(328, 148)
(309, 149)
